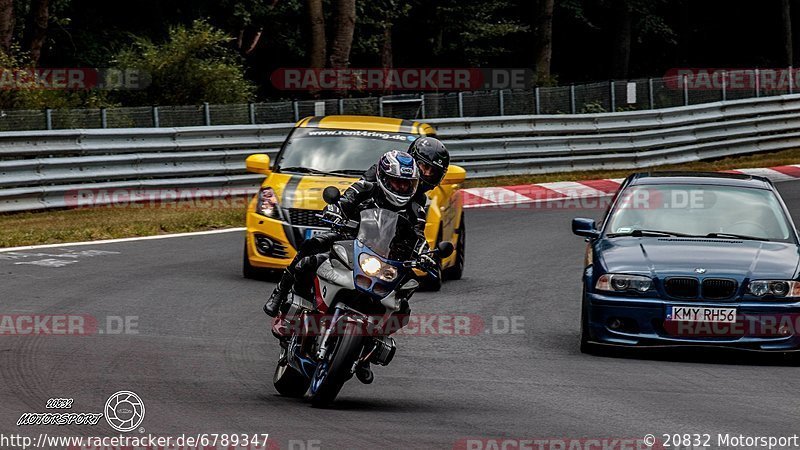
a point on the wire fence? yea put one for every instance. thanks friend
(612, 96)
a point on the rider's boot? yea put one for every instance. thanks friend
(279, 295)
(364, 373)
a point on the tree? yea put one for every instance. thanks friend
(621, 56)
(193, 66)
(375, 29)
(472, 32)
(786, 23)
(36, 28)
(543, 39)
(6, 25)
(316, 19)
(344, 27)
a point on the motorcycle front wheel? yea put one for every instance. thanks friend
(333, 373)
(287, 381)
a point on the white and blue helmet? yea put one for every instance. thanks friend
(398, 177)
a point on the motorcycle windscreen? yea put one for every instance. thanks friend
(377, 230)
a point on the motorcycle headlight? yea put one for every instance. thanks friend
(370, 265)
(267, 203)
(374, 267)
(622, 283)
(777, 288)
(389, 273)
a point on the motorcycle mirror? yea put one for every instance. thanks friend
(445, 249)
(331, 195)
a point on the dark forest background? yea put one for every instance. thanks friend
(223, 51)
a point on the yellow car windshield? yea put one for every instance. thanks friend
(343, 151)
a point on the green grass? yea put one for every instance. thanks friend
(52, 227)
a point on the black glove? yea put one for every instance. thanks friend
(334, 214)
(424, 257)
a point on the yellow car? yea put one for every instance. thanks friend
(336, 151)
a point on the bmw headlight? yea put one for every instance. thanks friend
(624, 283)
(776, 288)
(370, 265)
(267, 203)
(374, 267)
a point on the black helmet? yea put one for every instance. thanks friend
(432, 158)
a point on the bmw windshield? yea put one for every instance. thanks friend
(700, 211)
(377, 230)
(338, 152)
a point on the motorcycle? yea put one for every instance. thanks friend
(357, 299)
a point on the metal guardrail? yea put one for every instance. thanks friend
(47, 169)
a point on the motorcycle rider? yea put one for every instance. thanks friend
(396, 181)
(433, 160)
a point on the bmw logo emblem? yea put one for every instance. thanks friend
(700, 270)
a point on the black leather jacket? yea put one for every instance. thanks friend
(365, 194)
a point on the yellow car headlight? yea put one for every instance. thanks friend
(267, 204)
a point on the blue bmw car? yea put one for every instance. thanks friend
(692, 259)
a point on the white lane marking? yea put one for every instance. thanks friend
(50, 263)
(115, 241)
(773, 175)
(574, 189)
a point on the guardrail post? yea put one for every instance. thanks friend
(685, 90)
(791, 80)
(422, 105)
(341, 106)
(156, 121)
(48, 118)
(572, 107)
(380, 106)
(252, 110)
(537, 100)
(502, 99)
(296, 108)
(724, 85)
(207, 113)
(613, 95)
(460, 104)
(103, 118)
(651, 93)
(758, 83)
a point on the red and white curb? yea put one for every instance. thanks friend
(566, 190)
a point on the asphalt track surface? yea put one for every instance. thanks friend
(203, 358)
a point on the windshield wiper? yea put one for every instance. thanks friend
(640, 233)
(736, 236)
(306, 170)
(358, 172)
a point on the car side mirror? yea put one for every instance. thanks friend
(331, 195)
(454, 175)
(445, 249)
(258, 163)
(585, 227)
